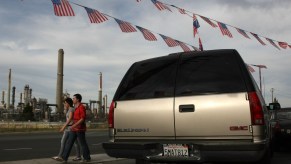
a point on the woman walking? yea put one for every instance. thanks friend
(69, 111)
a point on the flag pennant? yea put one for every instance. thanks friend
(183, 46)
(250, 68)
(62, 8)
(208, 21)
(196, 25)
(273, 43)
(160, 5)
(224, 30)
(125, 26)
(195, 48)
(243, 33)
(147, 34)
(169, 41)
(257, 37)
(283, 45)
(182, 11)
(200, 44)
(95, 16)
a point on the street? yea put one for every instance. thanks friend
(36, 145)
(42, 144)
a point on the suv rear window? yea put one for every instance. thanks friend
(209, 74)
(184, 74)
(153, 78)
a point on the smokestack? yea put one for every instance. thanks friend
(105, 104)
(26, 94)
(59, 91)
(20, 98)
(9, 90)
(100, 95)
(3, 95)
(13, 96)
(30, 94)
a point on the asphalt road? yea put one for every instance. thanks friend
(23, 146)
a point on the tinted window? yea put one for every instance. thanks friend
(152, 78)
(209, 74)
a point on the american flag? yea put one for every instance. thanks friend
(283, 45)
(200, 44)
(62, 8)
(125, 26)
(182, 11)
(273, 43)
(208, 21)
(169, 41)
(224, 29)
(196, 25)
(95, 16)
(160, 5)
(183, 46)
(147, 34)
(243, 33)
(257, 37)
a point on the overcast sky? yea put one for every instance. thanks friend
(31, 36)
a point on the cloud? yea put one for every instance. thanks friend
(31, 36)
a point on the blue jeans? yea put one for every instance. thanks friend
(82, 141)
(63, 143)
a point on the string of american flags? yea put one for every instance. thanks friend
(63, 8)
(222, 26)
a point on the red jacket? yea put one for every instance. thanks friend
(80, 112)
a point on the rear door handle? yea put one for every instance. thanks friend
(187, 108)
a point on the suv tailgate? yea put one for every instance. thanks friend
(221, 116)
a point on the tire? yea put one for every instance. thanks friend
(266, 159)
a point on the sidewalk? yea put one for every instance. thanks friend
(95, 158)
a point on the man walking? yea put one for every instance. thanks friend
(78, 130)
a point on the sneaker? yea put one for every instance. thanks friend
(77, 159)
(60, 159)
(55, 157)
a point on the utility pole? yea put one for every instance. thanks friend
(260, 66)
(272, 91)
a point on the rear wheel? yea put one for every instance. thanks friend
(266, 159)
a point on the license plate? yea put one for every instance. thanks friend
(176, 150)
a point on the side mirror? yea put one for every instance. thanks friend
(274, 106)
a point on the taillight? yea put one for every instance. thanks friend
(111, 115)
(277, 126)
(256, 109)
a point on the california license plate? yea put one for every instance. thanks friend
(176, 150)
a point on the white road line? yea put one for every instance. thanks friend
(18, 149)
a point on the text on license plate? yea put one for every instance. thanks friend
(175, 150)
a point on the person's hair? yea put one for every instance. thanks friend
(78, 96)
(69, 101)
